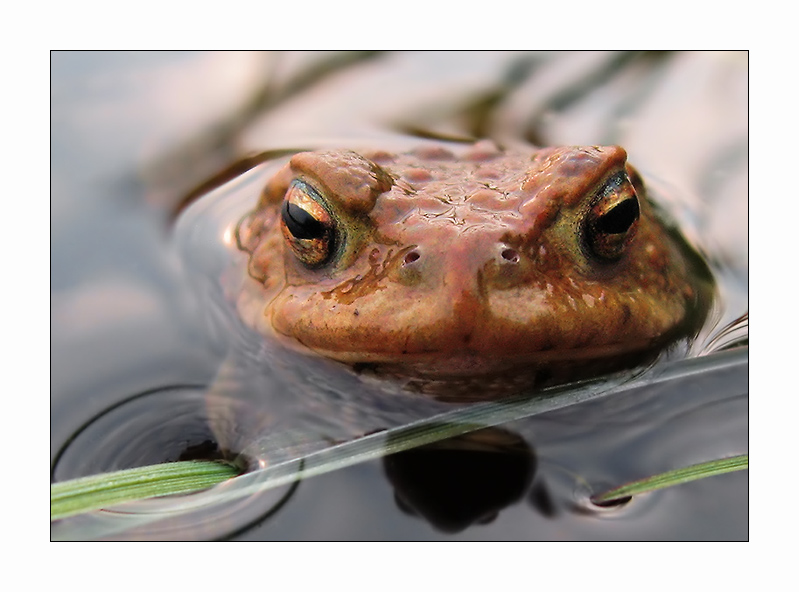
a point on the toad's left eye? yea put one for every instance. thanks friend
(613, 219)
(307, 225)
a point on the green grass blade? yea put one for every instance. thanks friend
(675, 477)
(78, 496)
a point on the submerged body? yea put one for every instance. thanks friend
(484, 265)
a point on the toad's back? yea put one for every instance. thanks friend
(437, 265)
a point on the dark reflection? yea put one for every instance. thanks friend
(462, 481)
(613, 503)
(541, 499)
(206, 450)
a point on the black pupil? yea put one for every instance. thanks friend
(300, 223)
(620, 218)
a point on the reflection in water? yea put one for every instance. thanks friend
(462, 481)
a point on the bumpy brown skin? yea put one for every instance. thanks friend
(468, 265)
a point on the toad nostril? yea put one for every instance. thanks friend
(411, 257)
(511, 255)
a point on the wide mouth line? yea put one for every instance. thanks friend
(475, 362)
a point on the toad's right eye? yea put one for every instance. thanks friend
(308, 227)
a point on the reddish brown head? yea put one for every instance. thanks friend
(435, 264)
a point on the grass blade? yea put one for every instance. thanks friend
(675, 477)
(78, 496)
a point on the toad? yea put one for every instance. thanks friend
(483, 265)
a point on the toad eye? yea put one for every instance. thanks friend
(307, 225)
(613, 219)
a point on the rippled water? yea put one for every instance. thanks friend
(142, 317)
